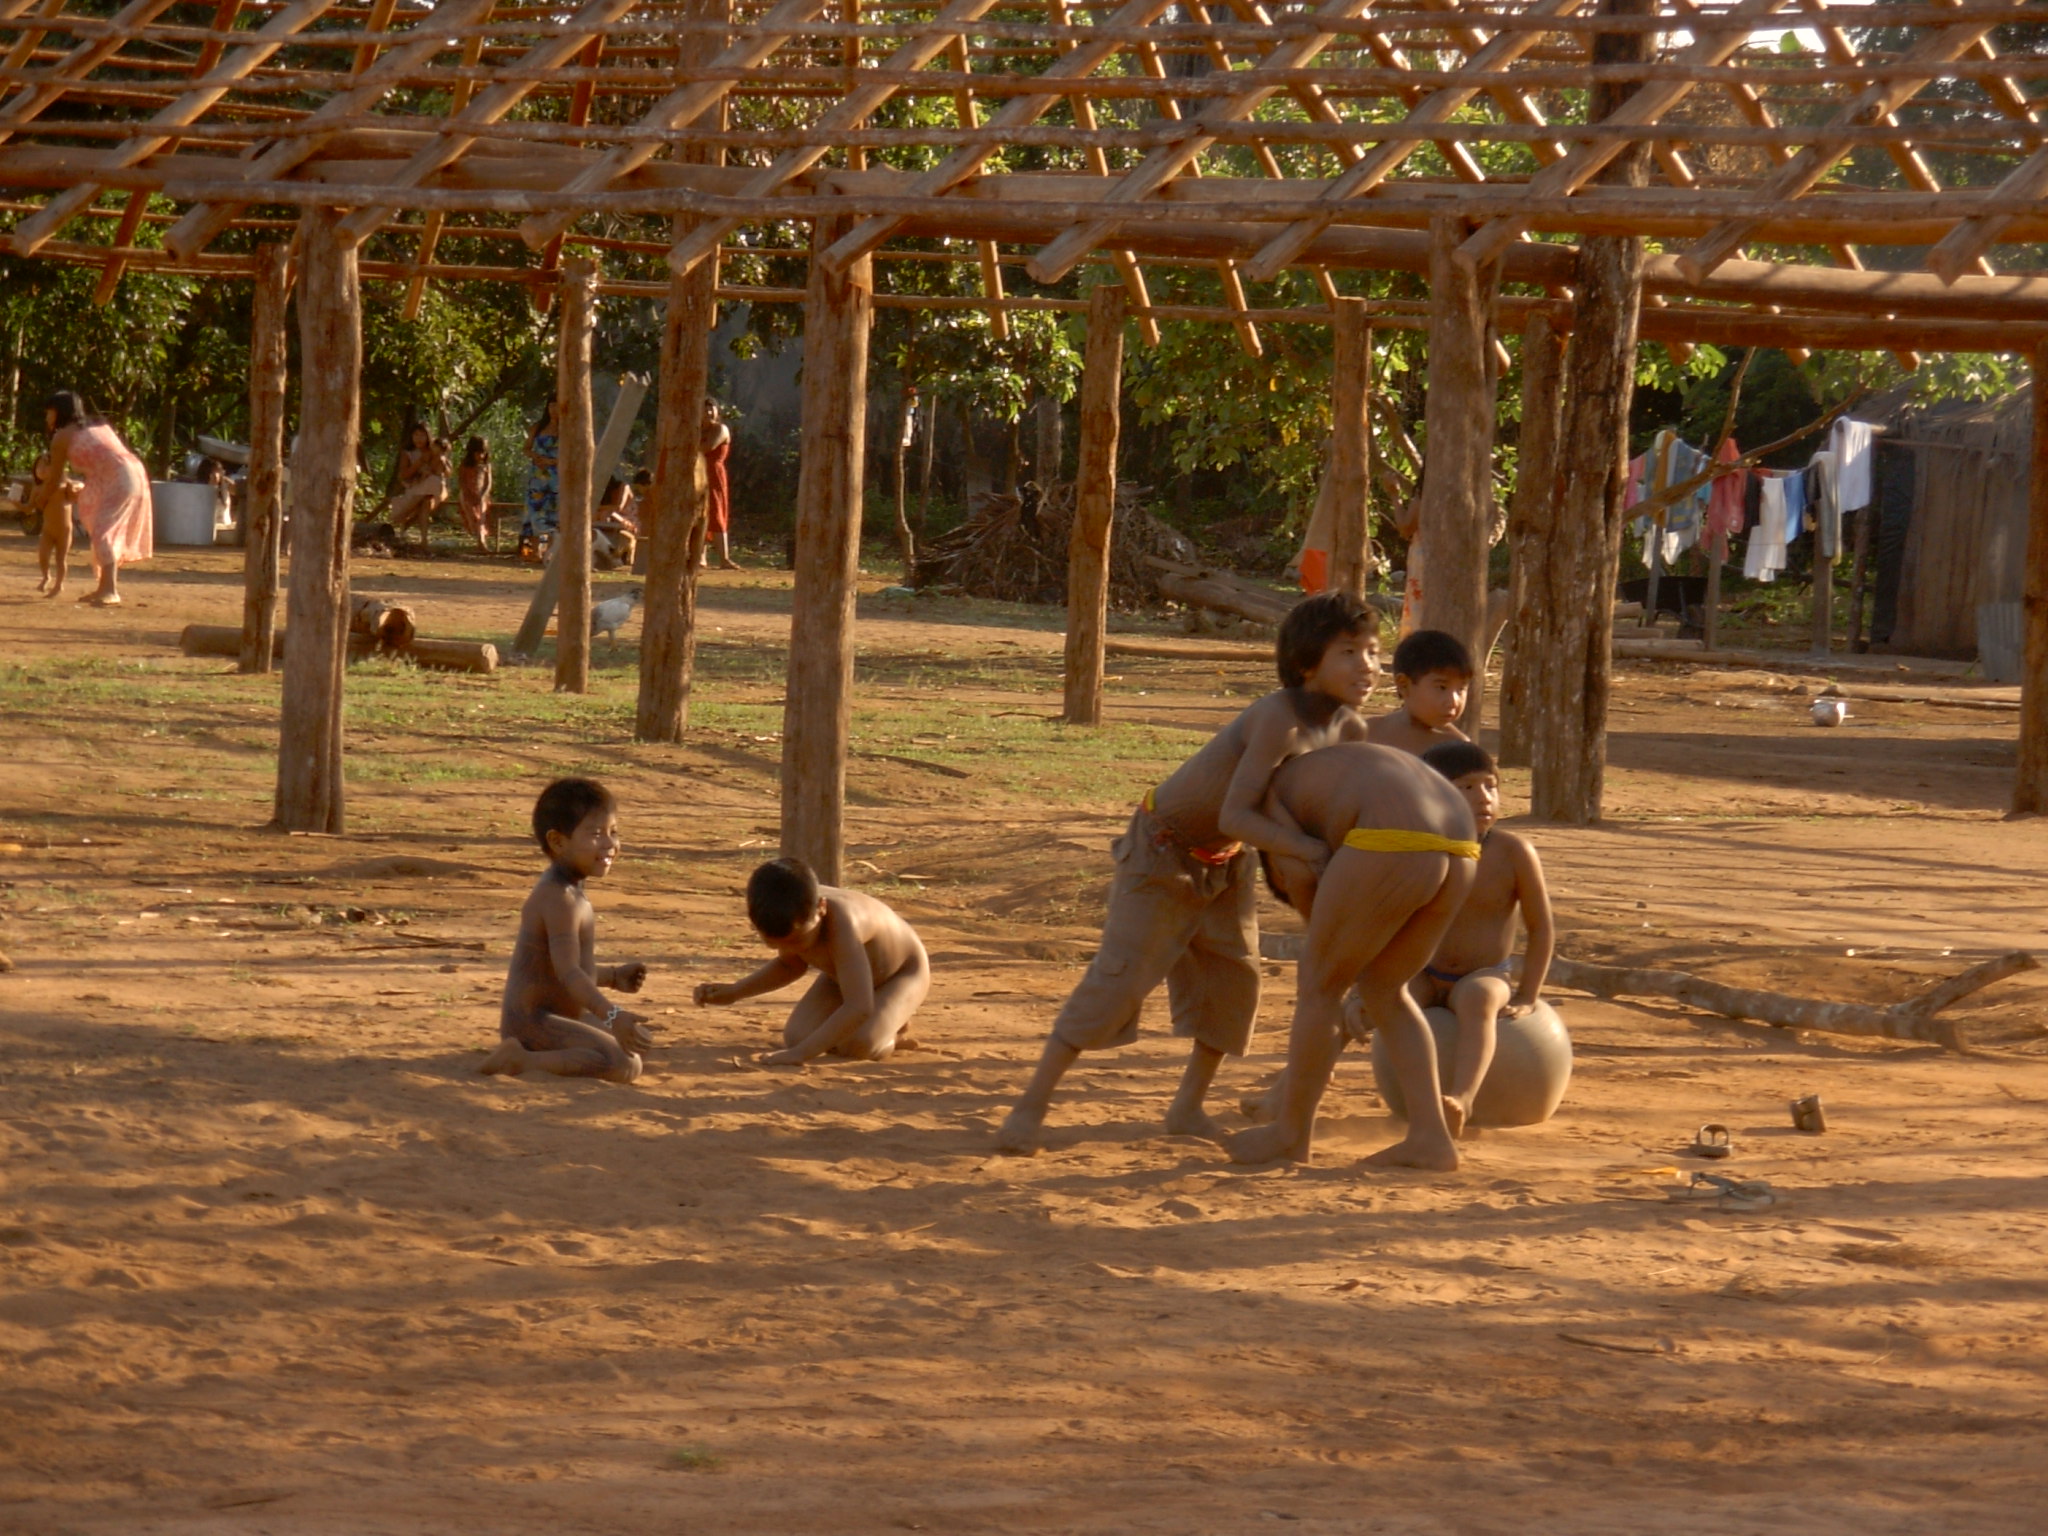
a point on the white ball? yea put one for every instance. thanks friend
(1532, 1067)
(1830, 711)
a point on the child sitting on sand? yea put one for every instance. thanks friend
(1183, 906)
(1432, 674)
(1469, 972)
(872, 968)
(1401, 852)
(53, 551)
(551, 992)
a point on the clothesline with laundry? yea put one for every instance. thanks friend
(1773, 507)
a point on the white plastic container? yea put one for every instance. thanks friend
(184, 512)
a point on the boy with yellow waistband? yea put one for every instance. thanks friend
(1402, 851)
(1182, 908)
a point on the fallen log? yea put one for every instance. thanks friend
(1203, 586)
(1993, 698)
(1914, 1019)
(1188, 650)
(442, 655)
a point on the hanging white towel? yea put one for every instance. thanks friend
(1766, 554)
(1852, 445)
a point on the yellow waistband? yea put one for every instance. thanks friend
(1387, 840)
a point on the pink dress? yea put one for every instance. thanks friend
(717, 491)
(114, 507)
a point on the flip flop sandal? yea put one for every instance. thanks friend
(1712, 1141)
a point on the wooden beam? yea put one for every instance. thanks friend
(1712, 45)
(1799, 174)
(310, 790)
(195, 231)
(1094, 505)
(1455, 518)
(818, 718)
(1350, 446)
(262, 520)
(1532, 521)
(2030, 784)
(573, 459)
(1019, 112)
(49, 86)
(1361, 178)
(678, 109)
(673, 528)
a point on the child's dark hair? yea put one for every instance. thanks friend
(781, 897)
(564, 804)
(1431, 650)
(475, 449)
(1311, 625)
(1455, 759)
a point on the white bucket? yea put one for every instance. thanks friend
(183, 512)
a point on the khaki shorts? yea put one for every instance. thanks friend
(1175, 919)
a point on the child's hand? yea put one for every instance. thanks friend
(1515, 1009)
(631, 1031)
(629, 976)
(712, 994)
(782, 1058)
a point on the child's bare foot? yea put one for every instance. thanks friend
(1018, 1136)
(1455, 1114)
(1192, 1120)
(509, 1058)
(1413, 1151)
(1266, 1144)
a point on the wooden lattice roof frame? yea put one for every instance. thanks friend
(1036, 135)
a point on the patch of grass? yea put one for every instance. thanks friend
(694, 1458)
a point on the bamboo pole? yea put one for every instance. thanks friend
(2030, 787)
(1532, 522)
(573, 460)
(673, 531)
(1455, 516)
(1568, 743)
(310, 795)
(817, 720)
(1094, 505)
(262, 519)
(1350, 442)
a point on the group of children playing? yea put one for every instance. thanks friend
(1380, 833)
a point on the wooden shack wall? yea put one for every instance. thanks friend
(1967, 541)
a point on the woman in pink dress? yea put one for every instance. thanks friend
(717, 448)
(114, 507)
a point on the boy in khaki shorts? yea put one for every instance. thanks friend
(1182, 908)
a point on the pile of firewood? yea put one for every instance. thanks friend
(1014, 549)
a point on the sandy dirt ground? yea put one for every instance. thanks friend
(275, 1259)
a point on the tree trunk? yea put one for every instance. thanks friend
(1455, 517)
(262, 523)
(1575, 593)
(310, 794)
(1823, 603)
(673, 528)
(1350, 434)
(818, 716)
(906, 428)
(573, 458)
(1050, 449)
(1094, 504)
(2030, 789)
(924, 473)
(1532, 523)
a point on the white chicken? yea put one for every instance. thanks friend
(607, 617)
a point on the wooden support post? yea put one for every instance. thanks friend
(673, 531)
(572, 538)
(818, 717)
(1575, 590)
(1859, 573)
(262, 515)
(1350, 443)
(309, 781)
(2030, 790)
(1102, 369)
(1455, 516)
(1710, 629)
(1532, 522)
(1823, 602)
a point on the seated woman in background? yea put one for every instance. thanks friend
(615, 530)
(423, 483)
(473, 481)
(113, 507)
